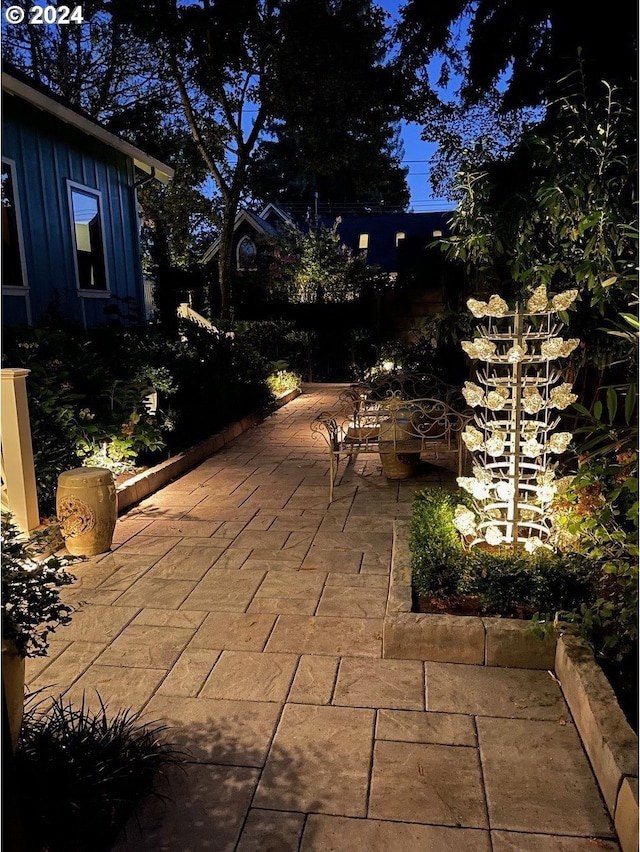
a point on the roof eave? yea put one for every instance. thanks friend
(143, 161)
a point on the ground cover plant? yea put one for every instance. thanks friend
(92, 770)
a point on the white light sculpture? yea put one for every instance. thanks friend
(514, 440)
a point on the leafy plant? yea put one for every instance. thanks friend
(31, 604)
(282, 380)
(597, 516)
(503, 582)
(94, 771)
(314, 266)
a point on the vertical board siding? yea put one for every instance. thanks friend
(47, 154)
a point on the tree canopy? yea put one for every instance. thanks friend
(524, 49)
(481, 74)
(333, 130)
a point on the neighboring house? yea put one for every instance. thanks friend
(70, 225)
(404, 246)
(400, 244)
(250, 229)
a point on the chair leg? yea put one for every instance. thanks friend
(333, 465)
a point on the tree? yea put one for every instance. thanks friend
(220, 71)
(524, 49)
(482, 73)
(562, 211)
(314, 266)
(229, 61)
(332, 135)
(99, 66)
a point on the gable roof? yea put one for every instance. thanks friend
(259, 225)
(18, 85)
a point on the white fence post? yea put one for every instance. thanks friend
(18, 473)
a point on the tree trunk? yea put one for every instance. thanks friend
(225, 257)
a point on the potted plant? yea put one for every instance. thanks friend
(31, 610)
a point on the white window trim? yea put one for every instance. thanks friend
(363, 238)
(245, 238)
(88, 190)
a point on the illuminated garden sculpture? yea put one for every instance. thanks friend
(517, 395)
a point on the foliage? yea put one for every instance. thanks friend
(435, 347)
(95, 771)
(31, 606)
(235, 68)
(86, 401)
(87, 398)
(333, 143)
(314, 266)
(520, 49)
(563, 209)
(505, 583)
(282, 380)
(597, 516)
(100, 69)
(569, 213)
(219, 378)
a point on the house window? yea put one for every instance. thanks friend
(400, 235)
(247, 252)
(86, 214)
(12, 249)
(363, 241)
(437, 233)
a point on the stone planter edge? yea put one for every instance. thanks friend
(151, 480)
(608, 739)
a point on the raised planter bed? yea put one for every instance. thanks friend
(608, 740)
(143, 484)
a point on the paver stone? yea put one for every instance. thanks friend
(339, 834)
(319, 761)
(435, 784)
(537, 775)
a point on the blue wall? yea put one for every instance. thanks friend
(47, 153)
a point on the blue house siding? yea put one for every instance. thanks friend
(47, 154)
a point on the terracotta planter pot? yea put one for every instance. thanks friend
(13, 665)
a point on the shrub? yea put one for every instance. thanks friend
(31, 605)
(282, 380)
(219, 378)
(504, 582)
(87, 398)
(93, 772)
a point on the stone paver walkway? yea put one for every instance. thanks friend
(240, 609)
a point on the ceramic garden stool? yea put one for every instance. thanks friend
(86, 506)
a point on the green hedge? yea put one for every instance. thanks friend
(504, 582)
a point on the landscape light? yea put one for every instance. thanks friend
(514, 437)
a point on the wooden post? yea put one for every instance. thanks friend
(19, 495)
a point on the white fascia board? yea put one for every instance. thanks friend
(242, 216)
(143, 161)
